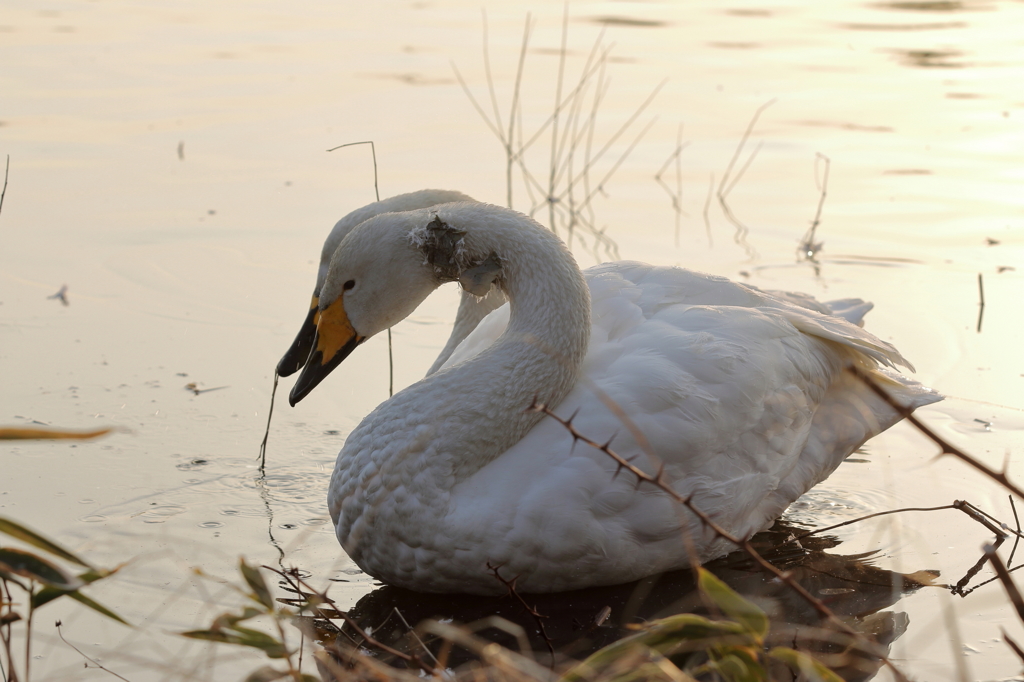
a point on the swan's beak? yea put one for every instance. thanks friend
(295, 357)
(333, 341)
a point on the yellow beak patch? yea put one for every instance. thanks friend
(333, 330)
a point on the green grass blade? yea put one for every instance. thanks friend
(20, 532)
(256, 583)
(28, 565)
(733, 605)
(806, 667)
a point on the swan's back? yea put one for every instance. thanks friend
(740, 393)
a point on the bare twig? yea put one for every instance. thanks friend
(801, 536)
(537, 617)
(707, 206)
(1016, 520)
(658, 480)
(808, 248)
(314, 599)
(947, 448)
(676, 194)
(981, 301)
(729, 181)
(194, 387)
(958, 589)
(376, 192)
(95, 663)
(413, 632)
(373, 152)
(555, 151)
(7, 172)
(266, 434)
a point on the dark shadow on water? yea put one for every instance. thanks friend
(851, 586)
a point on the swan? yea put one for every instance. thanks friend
(740, 395)
(472, 309)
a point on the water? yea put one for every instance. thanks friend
(167, 165)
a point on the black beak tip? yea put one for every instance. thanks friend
(316, 370)
(288, 365)
(296, 355)
(312, 373)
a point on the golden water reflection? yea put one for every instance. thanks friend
(167, 165)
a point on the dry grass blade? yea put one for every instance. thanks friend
(506, 661)
(21, 433)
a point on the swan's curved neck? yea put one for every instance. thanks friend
(479, 408)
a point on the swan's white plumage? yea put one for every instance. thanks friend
(739, 393)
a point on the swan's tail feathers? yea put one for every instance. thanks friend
(853, 413)
(839, 330)
(906, 392)
(850, 309)
(850, 414)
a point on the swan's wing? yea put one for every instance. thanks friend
(727, 397)
(836, 321)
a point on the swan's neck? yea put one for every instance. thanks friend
(538, 356)
(457, 420)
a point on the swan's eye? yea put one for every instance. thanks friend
(349, 284)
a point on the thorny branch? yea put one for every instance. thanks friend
(537, 617)
(1011, 589)
(947, 448)
(744, 544)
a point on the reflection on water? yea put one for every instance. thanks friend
(167, 166)
(578, 623)
(943, 59)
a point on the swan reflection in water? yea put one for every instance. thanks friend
(854, 589)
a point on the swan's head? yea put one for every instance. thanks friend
(378, 275)
(297, 354)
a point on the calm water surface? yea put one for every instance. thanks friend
(168, 166)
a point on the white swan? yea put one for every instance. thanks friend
(472, 309)
(740, 394)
